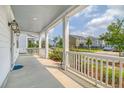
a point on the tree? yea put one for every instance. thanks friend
(55, 40)
(37, 44)
(59, 43)
(115, 35)
(89, 42)
(31, 44)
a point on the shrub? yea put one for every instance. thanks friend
(56, 54)
(110, 74)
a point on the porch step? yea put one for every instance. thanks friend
(79, 80)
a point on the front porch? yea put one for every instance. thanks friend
(41, 73)
(81, 69)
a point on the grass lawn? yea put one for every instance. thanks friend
(86, 50)
(81, 50)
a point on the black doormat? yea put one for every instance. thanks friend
(17, 66)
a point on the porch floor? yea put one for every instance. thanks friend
(39, 73)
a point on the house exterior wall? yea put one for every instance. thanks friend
(78, 41)
(95, 42)
(6, 15)
(75, 41)
(72, 42)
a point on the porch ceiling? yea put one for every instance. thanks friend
(34, 18)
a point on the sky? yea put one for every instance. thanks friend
(91, 21)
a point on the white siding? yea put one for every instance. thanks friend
(16, 50)
(5, 42)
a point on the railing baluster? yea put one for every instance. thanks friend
(88, 62)
(85, 65)
(81, 64)
(101, 71)
(92, 68)
(70, 62)
(96, 69)
(113, 74)
(120, 75)
(69, 55)
(106, 72)
(76, 61)
(73, 60)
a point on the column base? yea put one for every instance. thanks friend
(63, 66)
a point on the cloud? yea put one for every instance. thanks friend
(88, 12)
(115, 10)
(82, 33)
(75, 32)
(104, 20)
(99, 20)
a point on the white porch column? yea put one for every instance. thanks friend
(40, 46)
(40, 41)
(46, 45)
(65, 42)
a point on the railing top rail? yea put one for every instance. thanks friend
(34, 48)
(99, 56)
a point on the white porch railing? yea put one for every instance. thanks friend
(33, 51)
(36, 51)
(101, 69)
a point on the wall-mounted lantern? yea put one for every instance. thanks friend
(14, 27)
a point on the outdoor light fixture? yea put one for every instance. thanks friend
(14, 27)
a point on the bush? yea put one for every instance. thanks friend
(56, 55)
(110, 74)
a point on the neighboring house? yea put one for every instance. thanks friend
(80, 41)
